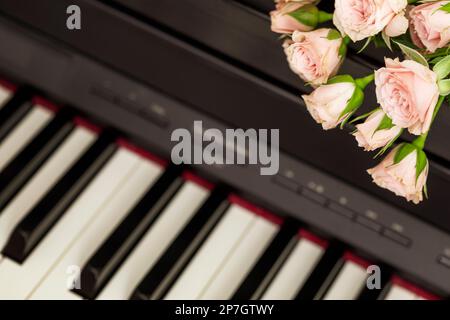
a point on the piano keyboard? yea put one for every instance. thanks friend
(6, 91)
(74, 196)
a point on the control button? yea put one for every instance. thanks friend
(395, 236)
(155, 113)
(129, 105)
(370, 224)
(286, 183)
(104, 93)
(444, 260)
(314, 196)
(341, 210)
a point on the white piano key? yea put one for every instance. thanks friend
(213, 254)
(349, 282)
(19, 280)
(239, 263)
(399, 293)
(23, 133)
(295, 271)
(403, 290)
(54, 286)
(171, 221)
(54, 168)
(5, 95)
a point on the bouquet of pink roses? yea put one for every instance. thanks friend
(410, 89)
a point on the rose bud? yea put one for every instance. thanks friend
(404, 171)
(297, 16)
(430, 25)
(408, 92)
(377, 131)
(333, 103)
(317, 55)
(361, 19)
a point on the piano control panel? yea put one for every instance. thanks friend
(369, 219)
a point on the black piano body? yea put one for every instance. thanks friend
(146, 68)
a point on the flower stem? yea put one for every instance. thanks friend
(325, 16)
(346, 40)
(420, 141)
(362, 83)
(438, 107)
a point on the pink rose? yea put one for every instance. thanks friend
(408, 92)
(283, 22)
(401, 177)
(313, 56)
(430, 27)
(327, 103)
(368, 135)
(360, 19)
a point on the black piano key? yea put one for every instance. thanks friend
(13, 111)
(111, 254)
(166, 270)
(321, 278)
(265, 269)
(33, 227)
(30, 159)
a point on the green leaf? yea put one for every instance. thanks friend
(404, 150)
(308, 15)
(344, 122)
(436, 60)
(387, 40)
(442, 52)
(421, 162)
(324, 16)
(378, 41)
(445, 8)
(333, 34)
(444, 87)
(363, 116)
(341, 78)
(342, 49)
(362, 83)
(365, 45)
(412, 54)
(385, 123)
(442, 68)
(354, 103)
(387, 146)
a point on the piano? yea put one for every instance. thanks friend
(91, 206)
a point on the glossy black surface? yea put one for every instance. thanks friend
(190, 80)
(22, 167)
(34, 226)
(111, 254)
(168, 268)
